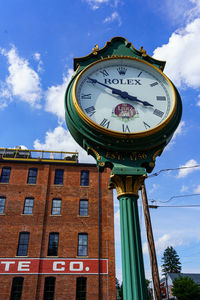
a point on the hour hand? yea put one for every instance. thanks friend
(132, 98)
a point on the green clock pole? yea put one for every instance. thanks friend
(127, 186)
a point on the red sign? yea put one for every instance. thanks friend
(52, 266)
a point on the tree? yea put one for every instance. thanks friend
(171, 261)
(185, 288)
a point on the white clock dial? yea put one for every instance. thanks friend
(124, 95)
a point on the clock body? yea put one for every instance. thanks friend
(124, 98)
(122, 103)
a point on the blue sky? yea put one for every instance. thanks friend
(38, 41)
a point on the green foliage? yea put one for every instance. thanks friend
(171, 261)
(184, 288)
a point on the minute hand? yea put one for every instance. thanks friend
(122, 94)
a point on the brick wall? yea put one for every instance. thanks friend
(68, 224)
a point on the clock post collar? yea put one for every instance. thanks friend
(117, 46)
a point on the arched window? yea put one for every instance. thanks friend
(81, 288)
(49, 288)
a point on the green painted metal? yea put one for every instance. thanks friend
(138, 151)
(134, 286)
(125, 156)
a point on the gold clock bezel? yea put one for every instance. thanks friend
(113, 132)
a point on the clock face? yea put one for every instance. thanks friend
(124, 95)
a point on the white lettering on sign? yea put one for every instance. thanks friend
(56, 268)
(76, 266)
(7, 264)
(24, 266)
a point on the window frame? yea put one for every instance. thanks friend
(22, 245)
(85, 178)
(32, 178)
(50, 250)
(82, 246)
(28, 206)
(54, 209)
(58, 179)
(5, 178)
(82, 209)
(15, 288)
(47, 291)
(81, 288)
(3, 206)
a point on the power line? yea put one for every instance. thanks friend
(173, 197)
(156, 206)
(172, 169)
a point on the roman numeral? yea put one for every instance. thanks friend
(153, 84)
(125, 128)
(85, 96)
(146, 125)
(105, 123)
(104, 72)
(90, 110)
(158, 113)
(139, 74)
(161, 98)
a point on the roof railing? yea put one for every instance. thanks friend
(38, 155)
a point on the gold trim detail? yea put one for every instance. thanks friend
(108, 42)
(95, 152)
(144, 52)
(126, 184)
(95, 50)
(158, 152)
(114, 133)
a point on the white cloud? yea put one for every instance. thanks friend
(163, 242)
(113, 17)
(184, 188)
(22, 82)
(197, 190)
(154, 187)
(182, 54)
(55, 97)
(61, 140)
(117, 226)
(37, 57)
(95, 4)
(179, 131)
(188, 168)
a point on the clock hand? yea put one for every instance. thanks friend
(122, 94)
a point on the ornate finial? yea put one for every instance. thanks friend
(95, 49)
(144, 52)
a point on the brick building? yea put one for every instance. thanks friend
(56, 228)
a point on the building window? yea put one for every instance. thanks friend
(81, 288)
(32, 176)
(16, 290)
(83, 207)
(58, 176)
(49, 288)
(53, 244)
(5, 174)
(28, 206)
(82, 244)
(23, 244)
(85, 177)
(2, 204)
(56, 207)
